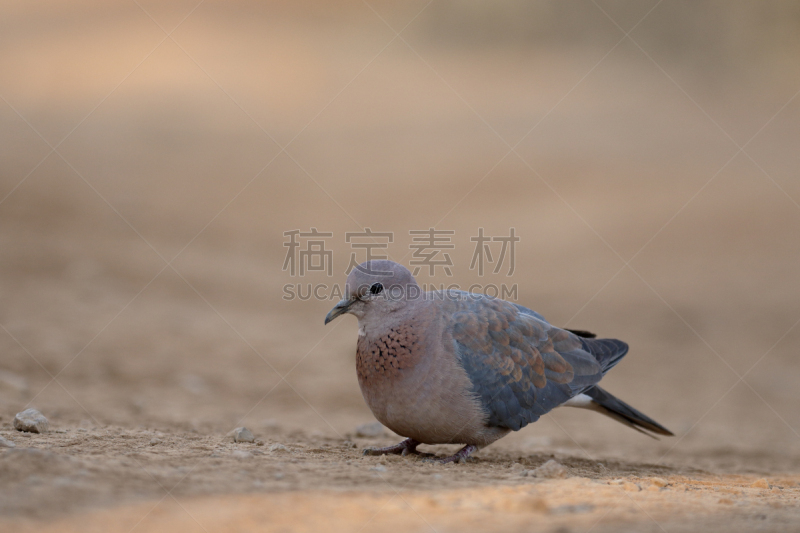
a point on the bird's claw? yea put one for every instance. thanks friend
(404, 448)
(461, 456)
(409, 447)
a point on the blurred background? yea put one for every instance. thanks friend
(152, 155)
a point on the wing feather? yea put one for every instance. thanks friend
(520, 366)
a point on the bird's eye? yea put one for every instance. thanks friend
(376, 288)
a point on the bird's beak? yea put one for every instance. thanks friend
(338, 309)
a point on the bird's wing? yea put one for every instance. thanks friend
(524, 310)
(521, 367)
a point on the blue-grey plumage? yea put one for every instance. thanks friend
(467, 368)
(521, 366)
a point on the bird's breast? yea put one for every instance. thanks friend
(414, 386)
(382, 358)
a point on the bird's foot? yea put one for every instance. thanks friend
(408, 446)
(460, 456)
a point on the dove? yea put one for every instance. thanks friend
(453, 367)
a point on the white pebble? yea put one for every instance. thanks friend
(31, 420)
(278, 448)
(242, 435)
(551, 469)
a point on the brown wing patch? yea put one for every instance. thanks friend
(560, 370)
(520, 366)
(500, 337)
(506, 339)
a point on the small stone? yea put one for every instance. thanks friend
(153, 442)
(278, 448)
(653, 488)
(760, 484)
(659, 482)
(242, 435)
(4, 443)
(379, 468)
(30, 420)
(631, 487)
(371, 430)
(552, 469)
(241, 454)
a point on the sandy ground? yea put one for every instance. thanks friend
(293, 481)
(141, 296)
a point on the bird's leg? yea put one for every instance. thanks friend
(459, 457)
(406, 447)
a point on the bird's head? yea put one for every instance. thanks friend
(376, 287)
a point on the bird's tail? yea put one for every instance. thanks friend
(609, 405)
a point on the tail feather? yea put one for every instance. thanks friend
(607, 352)
(612, 406)
(582, 333)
